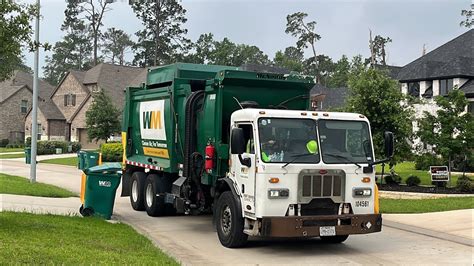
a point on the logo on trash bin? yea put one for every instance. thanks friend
(105, 183)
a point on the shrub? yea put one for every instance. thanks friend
(393, 179)
(111, 152)
(424, 161)
(28, 142)
(50, 146)
(413, 181)
(4, 142)
(465, 184)
(76, 146)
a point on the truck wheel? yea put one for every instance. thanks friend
(137, 191)
(229, 222)
(334, 239)
(154, 205)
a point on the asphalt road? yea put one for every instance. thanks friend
(192, 240)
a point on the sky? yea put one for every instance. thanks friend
(343, 24)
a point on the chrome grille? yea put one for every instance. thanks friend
(312, 184)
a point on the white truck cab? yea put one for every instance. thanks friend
(304, 173)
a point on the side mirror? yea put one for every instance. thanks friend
(237, 141)
(388, 137)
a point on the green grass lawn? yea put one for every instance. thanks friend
(12, 156)
(3, 150)
(61, 240)
(71, 161)
(405, 169)
(425, 205)
(10, 184)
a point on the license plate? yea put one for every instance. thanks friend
(327, 231)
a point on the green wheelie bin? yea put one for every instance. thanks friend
(98, 189)
(81, 163)
(91, 159)
(28, 155)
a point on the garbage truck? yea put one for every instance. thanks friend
(246, 147)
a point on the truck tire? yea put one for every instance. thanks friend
(137, 186)
(155, 205)
(334, 239)
(229, 222)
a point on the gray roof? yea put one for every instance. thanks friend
(141, 78)
(50, 110)
(392, 71)
(468, 88)
(113, 79)
(18, 80)
(452, 59)
(333, 97)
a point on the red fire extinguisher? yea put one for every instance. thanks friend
(210, 151)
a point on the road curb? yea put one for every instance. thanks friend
(427, 232)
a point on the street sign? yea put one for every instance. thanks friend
(439, 173)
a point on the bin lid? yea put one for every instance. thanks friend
(103, 168)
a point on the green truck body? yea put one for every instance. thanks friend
(222, 88)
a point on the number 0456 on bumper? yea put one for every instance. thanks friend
(327, 231)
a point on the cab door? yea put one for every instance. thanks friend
(245, 175)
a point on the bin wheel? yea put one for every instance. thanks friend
(229, 222)
(334, 239)
(86, 212)
(137, 193)
(155, 205)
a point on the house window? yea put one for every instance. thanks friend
(429, 90)
(70, 99)
(414, 89)
(24, 106)
(470, 108)
(445, 86)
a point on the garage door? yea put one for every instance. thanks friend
(85, 143)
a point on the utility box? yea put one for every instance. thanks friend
(99, 184)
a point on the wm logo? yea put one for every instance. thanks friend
(152, 120)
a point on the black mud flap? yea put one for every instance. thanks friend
(126, 186)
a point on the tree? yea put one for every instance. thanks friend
(102, 118)
(378, 97)
(94, 14)
(325, 68)
(291, 59)
(115, 44)
(225, 52)
(15, 33)
(468, 21)
(340, 75)
(451, 131)
(377, 49)
(163, 38)
(305, 32)
(74, 51)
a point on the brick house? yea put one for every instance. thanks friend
(73, 95)
(16, 95)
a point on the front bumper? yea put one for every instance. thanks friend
(308, 226)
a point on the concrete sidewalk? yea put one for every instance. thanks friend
(39, 205)
(456, 226)
(40, 158)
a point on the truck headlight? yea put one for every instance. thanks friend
(362, 192)
(278, 193)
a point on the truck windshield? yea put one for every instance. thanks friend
(346, 142)
(284, 140)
